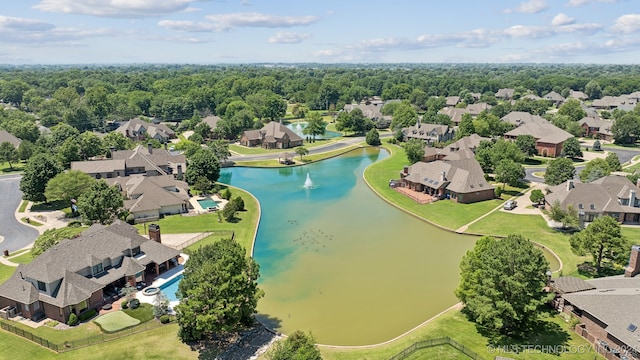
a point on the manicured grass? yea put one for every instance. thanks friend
(328, 154)
(22, 259)
(244, 228)
(6, 272)
(632, 234)
(56, 336)
(444, 213)
(30, 222)
(15, 167)
(206, 241)
(532, 227)
(54, 205)
(455, 325)
(259, 150)
(116, 321)
(23, 206)
(442, 352)
(143, 313)
(632, 168)
(260, 163)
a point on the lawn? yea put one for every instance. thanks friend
(206, 241)
(56, 336)
(23, 258)
(444, 213)
(244, 228)
(15, 167)
(244, 150)
(455, 325)
(142, 313)
(116, 321)
(23, 206)
(6, 272)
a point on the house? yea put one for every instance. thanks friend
(606, 308)
(6, 136)
(611, 195)
(578, 95)
(429, 133)
(477, 108)
(531, 97)
(518, 118)
(212, 121)
(140, 160)
(455, 114)
(148, 198)
(596, 128)
(465, 148)
(554, 97)
(138, 129)
(459, 180)
(274, 135)
(369, 110)
(452, 100)
(80, 273)
(506, 94)
(549, 138)
(613, 102)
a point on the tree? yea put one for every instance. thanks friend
(37, 173)
(597, 146)
(90, 145)
(68, 152)
(595, 169)
(52, 237)
(536, 196)
(25, 150)
(603, 240)
(68, 185)
(315, 125)
(117, 141)
(593, 90)
(466, 126)
(203, 129)
(100, 203)
(568, 217)
(218, 292)
(509, 171)
(353, 121)
(558, 171)
(274, 107)
(573, 109)
(8, 153)
(613, 161)
(160, 305)
(571, 148)
(203, 163)
(626, 128)
(373, 138)
(202, 184)
(221, 149)
(414, 148)
(404, 116)
(239, 203)
(297, 346)
(302, 151)
(527, 144)
(501, 284)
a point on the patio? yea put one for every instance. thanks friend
(418, 196)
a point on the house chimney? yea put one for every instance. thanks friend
(179, 171)
(443, 176)
(638, 182)
(150, 148)
(569, 185)
(154, 233)
(112, 150)
(634, 262)
(632, 198)
(166, 147)
(406, 170)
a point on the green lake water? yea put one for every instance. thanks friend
(340, 262)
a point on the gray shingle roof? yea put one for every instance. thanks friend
(8, 137)
(599, 196)
(570, 284)
(542, 132)
(136, 124)
(461, 176)
(518, 118)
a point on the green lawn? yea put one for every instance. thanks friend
(15, 167)
(6, 272)
(56, 336)
(142, 313)
(23, 258)
(206, 241)
(23, 206)
(244, 150)
(244, 228)
(448, 214)
(455, 325)
(116, 321)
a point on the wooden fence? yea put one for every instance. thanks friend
(436, 342)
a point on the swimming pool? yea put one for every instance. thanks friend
(170, 288)
(208, 203)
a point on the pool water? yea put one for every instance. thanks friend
(208, 202)
(170, 288)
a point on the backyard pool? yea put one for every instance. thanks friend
(170, 288)
(208, 203)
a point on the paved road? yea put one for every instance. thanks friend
(323, 148)
(623, 154)
(16, 235)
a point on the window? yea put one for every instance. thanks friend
(136, 251)
(97, 269)
(42, 286)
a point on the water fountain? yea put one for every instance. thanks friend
(298, 126)
(308, 184)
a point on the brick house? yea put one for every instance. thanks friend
(596, 128)
(549, 138)
(274, 135)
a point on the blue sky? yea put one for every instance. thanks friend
(327, 31)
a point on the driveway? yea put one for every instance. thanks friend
(16, 235)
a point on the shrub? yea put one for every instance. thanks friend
(88, 314)
(226, 194)
(134, 303)
(124, 304)
(239, 203)
(498, 192)
(164, 319)
(373, 138)
(73, 320)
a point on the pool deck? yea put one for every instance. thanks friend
(160, 280)
(201, 210)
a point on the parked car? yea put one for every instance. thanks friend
(510, 205)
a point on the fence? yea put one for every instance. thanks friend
(79, 343)
(195, 239)
(436, 342)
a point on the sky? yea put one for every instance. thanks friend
(312, 31)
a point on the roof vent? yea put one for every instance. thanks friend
(632, 327)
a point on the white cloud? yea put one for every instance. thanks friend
(529, 7)
(627, 23)
(589, 28)
(522, 31)
(190, 26)
(115, 8)
(8, 23)
(562, 19)
(259, 20)
(579, 3)
(245, 3)
(191, 9)
(288, 38)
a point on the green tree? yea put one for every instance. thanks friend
(202, 184)
(218, 292)
(297, 346)
(558, 171)
(613, 161)
(527, 144)
(593, 90)
(536, 196)
(414, 148)
(353, 121)
(203, 163)
(52, 237)
(68, 151)
(37, 173)
(160, 305)
(595, 169)
(571, 148)
(221, 150)
(404, 116)
(203, 129)
(25, 150)
(315, 125)
(100, 203)
(117, 140)
(239, 203)
(13, 91)
(573, 109)
(568, 217)
(90, 145)
(373, 138)
(8, 153)
(603, 240)
(509, 172)
(302, 151)
(466, 127)
(68, 185)
(501, 284)
(626, 128)
(274, 107)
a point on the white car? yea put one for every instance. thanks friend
(510, 205)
